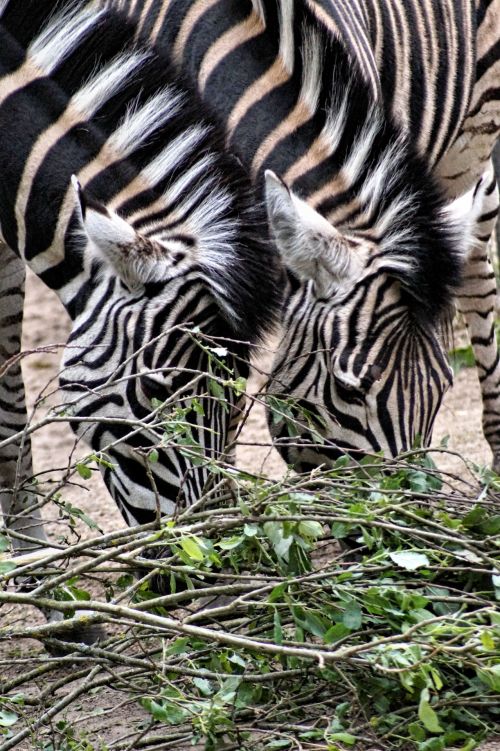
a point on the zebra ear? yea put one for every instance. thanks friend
(135, 259)
(104, 227)
(463, 214)
(308, 244)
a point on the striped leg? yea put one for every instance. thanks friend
(16, 497)
(477, 302)
(15, 458)
(496, 164)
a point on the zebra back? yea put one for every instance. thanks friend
(432, 63)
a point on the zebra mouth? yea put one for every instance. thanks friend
(305, 454)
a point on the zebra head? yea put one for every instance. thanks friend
(154, 324)
(161, 261)
(362, 361)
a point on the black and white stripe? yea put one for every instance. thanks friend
(433, 64)
(160, 255)
(317, 92)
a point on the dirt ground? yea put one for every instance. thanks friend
(460, 419)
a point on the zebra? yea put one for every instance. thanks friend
(374, 115)
(117, 191)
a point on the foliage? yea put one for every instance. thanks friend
(403, 619)
(349, 607)
(462, 357)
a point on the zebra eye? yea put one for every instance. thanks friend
(293, 281)
(347, 381)
(372, 375)
(349, 389)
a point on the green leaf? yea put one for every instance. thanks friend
(153, 456)
(237, 659)
(250, 530)
(487, 641)
(340, 530)
(427, 715)
(124, 581)
(345, 738)
(417, 732)
(76, 593)
(216, 389)
(101, 460)
(490, 676)
(352, 616)
(310, 529)
(229, 543)
(197, 407)
(18, 698)
(165, 712)
(7, 718)
(203, 685)
(432, 744)
(418, 615)
(84, 471)
(179, 646)
(75, 511)
(495, 619)
(462, 357)
(436, 678)
(4, 544)
(277, 592)
(470, 745)
(314, 624)
(474, 517)
(490, 526)
(418, 481)
(7, 566)
(229, 689)
(191, 547)
(336, 632)
(239, 385)
(409, 560)
(281, 542)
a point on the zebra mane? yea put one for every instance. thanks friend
(159, 156)
(390, 197)
(369, 180)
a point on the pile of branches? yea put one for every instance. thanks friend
(348, 608)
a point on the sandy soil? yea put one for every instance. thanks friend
(46, 323)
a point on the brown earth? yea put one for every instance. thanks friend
(460, 419)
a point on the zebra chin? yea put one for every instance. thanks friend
(311, 451)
